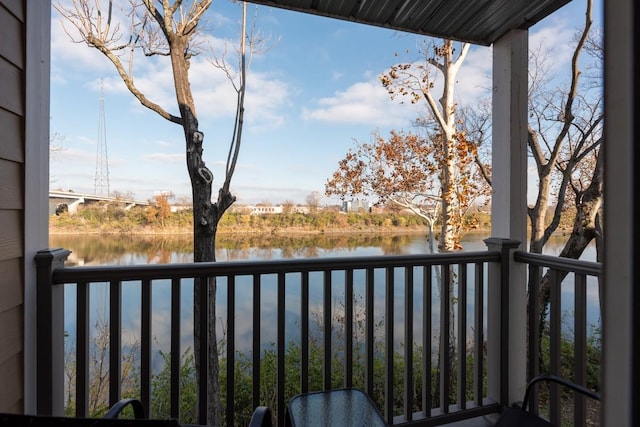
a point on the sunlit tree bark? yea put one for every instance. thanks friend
(415, 82)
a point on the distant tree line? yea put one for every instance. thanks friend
(159, 218)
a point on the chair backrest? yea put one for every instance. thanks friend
(558, 380)
(261, 417)
(518, 416)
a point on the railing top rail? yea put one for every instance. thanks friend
(559, 263)
(170, 271)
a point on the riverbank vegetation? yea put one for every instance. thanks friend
(158, 219)
(243, 374)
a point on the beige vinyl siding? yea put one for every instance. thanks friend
(11, 125)
(11, 372)
(12, 284)
(12, 190)
(11, 185)
(11, 25)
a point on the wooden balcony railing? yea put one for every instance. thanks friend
(409, 330)
(555, 276)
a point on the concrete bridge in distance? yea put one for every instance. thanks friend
(61, 201)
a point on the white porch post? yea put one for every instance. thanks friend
(509, 206)
(36, 177)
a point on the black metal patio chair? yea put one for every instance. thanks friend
(521, 417)
(110, 419)
(261, 418)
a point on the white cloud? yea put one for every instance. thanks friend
(367, 102)
(474, 77)
(162, 143)
(555, 42)
(336, 75)
(214, 95)
(70, 154)
(265, 99)
(83, 140)
(68, 49)
(165, 157)
(362, 103)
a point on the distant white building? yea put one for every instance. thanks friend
(269, 209)
(260, 210)
(357, 206)
(178, 208)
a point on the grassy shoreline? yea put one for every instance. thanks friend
(106, 220)
(56, 230)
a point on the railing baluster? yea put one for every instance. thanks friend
(408, 343)
(478, 348)
(231, 348)
(445, 353)
(534, 328)
(326, 325)
(202, 294)
(535, 277)
(304, 332)
(555, 344)
(370, 336)
(580, 347)
(82, 349)
(257, 352)
(145, 349)
(348, 328)
(175, 348)
(388, 344)
(281, 402)
(115, 340)
(427, 297)
(462, 336)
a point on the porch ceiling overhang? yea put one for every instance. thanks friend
(476, 21)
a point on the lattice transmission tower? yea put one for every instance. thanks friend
(101, 179)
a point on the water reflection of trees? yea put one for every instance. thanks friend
(124, 249)
(154, 249)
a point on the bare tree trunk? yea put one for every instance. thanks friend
(547, 163)
(538, 213)
(205, 219)
(204, 231)
(178, 26)
(586, 228)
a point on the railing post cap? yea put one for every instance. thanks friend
(500, 243)
(50, 254)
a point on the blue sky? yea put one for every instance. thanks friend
(308, 98)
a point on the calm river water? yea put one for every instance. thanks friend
(130, 250)
(140, 249)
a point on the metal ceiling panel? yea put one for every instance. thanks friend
(477, 21)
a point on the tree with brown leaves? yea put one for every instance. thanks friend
(416, 82)
(404, 170)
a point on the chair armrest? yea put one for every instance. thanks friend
(115, 410)
(554, 379)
